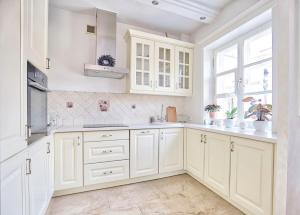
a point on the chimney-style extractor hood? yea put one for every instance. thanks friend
(106, 45)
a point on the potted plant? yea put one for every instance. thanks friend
(258, 111)
(230, 115)
(212, 109)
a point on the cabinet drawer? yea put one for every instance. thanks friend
(106, 151)
(106, 135)
(106, 172)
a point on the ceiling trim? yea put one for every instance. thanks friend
(186, 8)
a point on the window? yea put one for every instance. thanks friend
(244, 68)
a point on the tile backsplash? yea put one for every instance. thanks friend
(77, 108)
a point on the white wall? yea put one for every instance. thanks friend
(293, 94)
(70, 47)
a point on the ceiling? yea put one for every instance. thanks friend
(173, 16)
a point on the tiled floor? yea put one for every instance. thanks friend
(178, 195)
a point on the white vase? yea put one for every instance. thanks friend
(228, 123)
(260, 125)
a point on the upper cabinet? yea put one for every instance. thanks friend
(159, 65)
(142, 64)
(13, 85)
(183, 71)
(36, 13)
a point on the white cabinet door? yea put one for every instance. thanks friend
(142, 63)
(37, 32)
(38, 181)
(252, 175)
(164, 67)
(50, 166)
(68, 160)
(217, 162)
(171, 150)
(183, 71)
(13, 79)
(143, 152)
(195, 153)
(14, 185)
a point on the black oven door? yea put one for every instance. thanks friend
(36, 112)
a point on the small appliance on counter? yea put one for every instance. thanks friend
(37, 88)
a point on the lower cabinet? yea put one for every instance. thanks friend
(68, 160)
(38, 178)
(195, 152)
(251, 182)
(217, 162)
(239, 169)
(170, 150)
(143, 152)
(26, 185)
(14, 185)
(106, 172)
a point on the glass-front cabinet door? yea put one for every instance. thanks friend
(142, 63)
(164, 67)
(183, 70)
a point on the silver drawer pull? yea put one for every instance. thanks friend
(145, 132)
(107, 173)
(107, 135)
(104, 151)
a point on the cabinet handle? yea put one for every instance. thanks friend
(107, 135)
(145, 132)
(205, 139)
(232, 146)
(28, 166)
(201, 138)
(78, 141)
(48, 63)
(48, 148)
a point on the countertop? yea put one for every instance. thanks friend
(236, 132)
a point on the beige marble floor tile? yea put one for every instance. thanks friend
(178, 195)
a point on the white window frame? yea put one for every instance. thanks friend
(239, 71)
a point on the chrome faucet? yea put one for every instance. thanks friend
(161, 118)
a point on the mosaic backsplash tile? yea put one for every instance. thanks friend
(78, 108)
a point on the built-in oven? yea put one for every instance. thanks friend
(37, 88)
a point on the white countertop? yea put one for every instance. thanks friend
(237, 132)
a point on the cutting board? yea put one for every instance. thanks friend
(171, 114)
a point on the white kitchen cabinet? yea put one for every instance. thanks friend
(13, 81)
(217, 162)
(103, 151)
(68, 160)
(143, 152)
(14, 193)
(159, 65)
(171, 150)
(142, 62)
(38, 178)
(252, 175)
(106, 172)
(195, 152)
(164, 67)
(50, 165)
(183, 71)
(37, 32)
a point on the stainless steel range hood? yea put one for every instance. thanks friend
(106, 45)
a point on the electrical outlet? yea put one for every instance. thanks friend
(103, 105)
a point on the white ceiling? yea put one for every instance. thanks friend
(173, 16)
